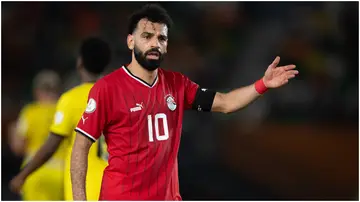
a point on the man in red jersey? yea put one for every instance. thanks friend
(139, 109)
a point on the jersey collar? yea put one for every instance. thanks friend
(139, 79)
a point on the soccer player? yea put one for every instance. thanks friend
(139, 109)
(94, 56)
(31, 131)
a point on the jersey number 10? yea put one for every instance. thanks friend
(159, 137)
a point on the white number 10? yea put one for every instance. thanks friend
(159, 136)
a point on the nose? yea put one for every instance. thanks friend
(154, 43)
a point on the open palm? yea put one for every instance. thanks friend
(278, 76)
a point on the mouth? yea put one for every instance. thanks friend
(153, 55)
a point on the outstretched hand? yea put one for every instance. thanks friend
(278, 76)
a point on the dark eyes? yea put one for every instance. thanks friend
(161, 38)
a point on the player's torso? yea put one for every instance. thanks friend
(40, 117)
(144, 132)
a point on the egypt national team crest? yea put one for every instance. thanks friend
(170, 101)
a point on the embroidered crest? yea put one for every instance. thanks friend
(170, 101)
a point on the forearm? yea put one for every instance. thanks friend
(17, 141)
(79, 164)
(239, 98)
(42, 155)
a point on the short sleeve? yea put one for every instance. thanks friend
(190, 92)
(63, 118)
(94, 119)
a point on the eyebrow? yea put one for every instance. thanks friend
(148, 33)
(152, 34)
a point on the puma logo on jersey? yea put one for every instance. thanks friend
(84, 119)
(137, 108)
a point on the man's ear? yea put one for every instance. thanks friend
(166, 47)
(130, 42)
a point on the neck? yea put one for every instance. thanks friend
(136, 69)
(88, 78)
(46, 99)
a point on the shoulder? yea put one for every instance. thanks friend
(28, 108)
(168, 74)
(72, 94)
(112, 77)
(68, 94)
(177, 78)
(109, 79)
(112, 81)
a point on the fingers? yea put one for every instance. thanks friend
(289, 67)
(275, 62)
(284, 81)
(290, 76)
(292, 72)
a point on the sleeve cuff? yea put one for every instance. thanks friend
(85, 134)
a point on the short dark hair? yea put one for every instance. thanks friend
(95, 54)
(152, 12)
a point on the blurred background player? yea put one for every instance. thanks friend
(31, 131)
(94, 56)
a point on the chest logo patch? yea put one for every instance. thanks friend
(170, 101)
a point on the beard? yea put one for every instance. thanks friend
(148, 64)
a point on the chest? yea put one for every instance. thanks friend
(136, 105)
(143, 117)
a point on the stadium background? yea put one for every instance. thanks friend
(297, 142)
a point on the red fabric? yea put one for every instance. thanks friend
(260, 86)
(142, 128)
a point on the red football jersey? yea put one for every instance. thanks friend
(142, 126)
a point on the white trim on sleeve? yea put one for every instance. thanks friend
(85, 133)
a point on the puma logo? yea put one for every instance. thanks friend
(84, 119)
(140, 105)
(137, 108)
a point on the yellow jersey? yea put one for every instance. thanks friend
(46, 183)
(33, 124)
(69, 110)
